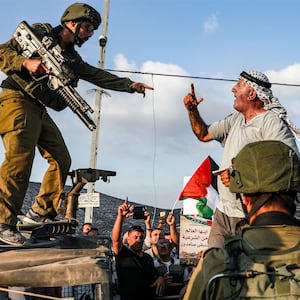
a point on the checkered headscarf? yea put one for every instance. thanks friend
(262, 86)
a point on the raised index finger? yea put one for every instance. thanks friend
(193, 90)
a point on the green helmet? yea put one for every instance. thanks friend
(81, 11)
(265, 167)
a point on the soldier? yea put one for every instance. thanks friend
(268, 175)
(25, 123)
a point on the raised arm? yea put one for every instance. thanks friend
(173, 231)
(198, 125)
(147, 222)
(124, 211)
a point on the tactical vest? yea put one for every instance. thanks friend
(258, 274)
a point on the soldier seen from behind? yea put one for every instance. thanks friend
(264, 261)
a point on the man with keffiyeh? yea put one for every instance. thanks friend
(259, 116)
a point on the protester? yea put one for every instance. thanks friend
(170, 268)
(86, 228)
(137, 276)
(264, 261)
(258, 116)
(25, 123)
(153, 235)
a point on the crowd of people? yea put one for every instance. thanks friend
(258, 181)
(147, 260)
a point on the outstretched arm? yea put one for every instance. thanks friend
(107, 80)
(198, 125)
(140, 87)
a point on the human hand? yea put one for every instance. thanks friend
(168, 278)
(225, 177)
(125, 210)
(171, 219)
(147, 217)
(190, 100)
(159, 285)
(140, 87)
(35, 66)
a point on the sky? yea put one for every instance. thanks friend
(148, 141)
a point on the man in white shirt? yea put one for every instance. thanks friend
(259, 116)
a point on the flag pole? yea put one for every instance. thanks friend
(174, 206)
(175, 203)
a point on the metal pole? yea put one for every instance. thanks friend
(97, 110)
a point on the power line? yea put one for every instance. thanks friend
(193, 77)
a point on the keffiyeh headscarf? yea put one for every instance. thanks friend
(262, 86)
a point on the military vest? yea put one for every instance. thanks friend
(259, 274)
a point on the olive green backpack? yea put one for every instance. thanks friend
(258, 274)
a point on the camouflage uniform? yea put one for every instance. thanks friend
(25, 124)
(264, 262)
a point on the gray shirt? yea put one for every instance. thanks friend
(234, 133)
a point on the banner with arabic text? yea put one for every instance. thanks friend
(194, 232)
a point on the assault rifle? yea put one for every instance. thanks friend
(60, 75)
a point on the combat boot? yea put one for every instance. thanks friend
(34, 218)
(11, 236)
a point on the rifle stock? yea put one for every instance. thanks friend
(60, 76)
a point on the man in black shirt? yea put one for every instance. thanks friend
(137, 276)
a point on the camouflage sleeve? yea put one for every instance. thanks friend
(104, 79)
(213, 263)
(11, 59)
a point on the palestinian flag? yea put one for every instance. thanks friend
(200, 192)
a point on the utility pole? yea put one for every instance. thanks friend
(97, 110)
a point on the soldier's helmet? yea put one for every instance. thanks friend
(265, 167)
(77, 11)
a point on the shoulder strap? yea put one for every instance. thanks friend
(46, 27)
(273, 274)
(42, 29)
(233, 247)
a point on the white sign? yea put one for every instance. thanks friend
(89, 200)
(193, 237)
